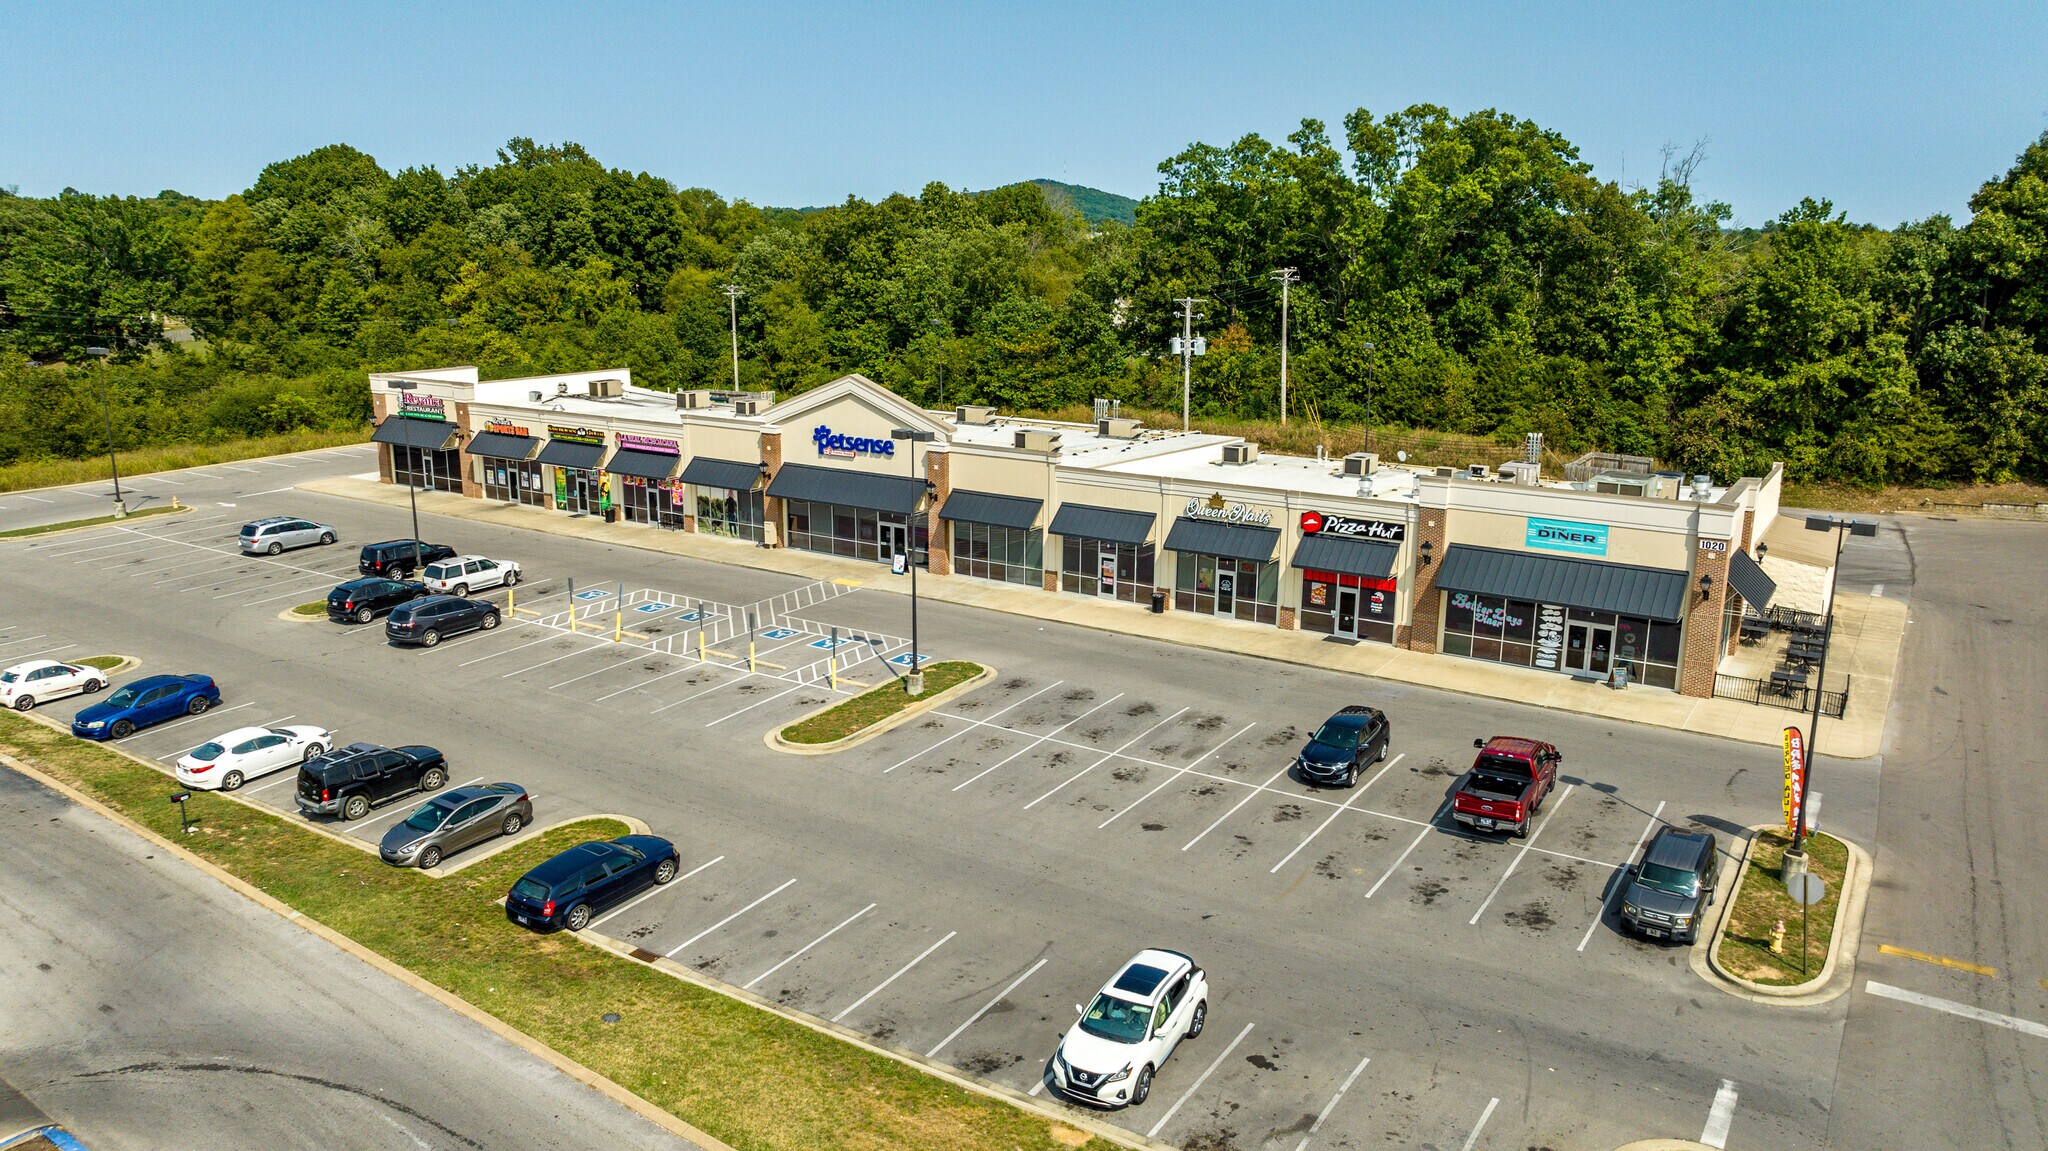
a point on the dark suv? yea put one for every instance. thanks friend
(399, 558)
(1350, 740)
(362, 600)
(565, 890)
(349, 780)
(1670, 890)
(428, 621)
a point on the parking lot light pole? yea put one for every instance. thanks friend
(107, 409)
(914, 682)
(1795, 855)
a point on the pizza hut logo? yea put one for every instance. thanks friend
(1311, 523)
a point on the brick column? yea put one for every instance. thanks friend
(1701, 652)
(1287, 619)
(1425, 605)
(1052, 574)
(938, 468)
(771, 508)
(380, 407)
(472, 488)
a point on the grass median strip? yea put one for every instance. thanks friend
(102, 662)
(877, 704)
(744, 1075)
(311, 607)
(1764, 903)
(94, 521)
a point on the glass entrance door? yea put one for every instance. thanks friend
(1589, 647)
(1347, 612)
(583, 495)
(1226, 592)
(895, 542)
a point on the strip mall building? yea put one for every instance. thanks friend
(1614, 566)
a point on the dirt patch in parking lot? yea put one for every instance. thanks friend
(1427, 891)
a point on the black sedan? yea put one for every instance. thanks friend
(362, 600)
(428, 621)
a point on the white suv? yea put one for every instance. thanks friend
(40, 680)
(464, 574)
(1109, 1057)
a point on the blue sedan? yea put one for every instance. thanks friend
(152, 699)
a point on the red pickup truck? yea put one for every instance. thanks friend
(1507, 784)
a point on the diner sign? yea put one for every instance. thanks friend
(1566, 536)
(1323, 523)
(576, 435)
(650, 444)
(419, 407)
(1226, 513)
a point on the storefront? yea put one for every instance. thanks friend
(573, 455)
(421, 441)
(1581, 617)
(848, 513)
(995, 537)
(643, 470)
(1223, 561)
(1105, 552)
(726, 496)
(1348, 582)
(504, 458)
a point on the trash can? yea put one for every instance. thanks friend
(611, 514)
(1159, 603)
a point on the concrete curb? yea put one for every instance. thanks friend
(108, 522)
(1044, 1110)
(775, 742)
(1837, 974)
(290, 616)
(496, 1026)
(128, 663)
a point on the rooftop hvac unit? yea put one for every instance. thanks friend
(749, 405)
(693, 399)
(1703, 488)
(1037, 440)
(1623, 485)
(611, 389)
(969, 414)
(1478, 471)
(1116, 429)
(1522, 473)
(1361, 463)
(1446, 472)
(533, 397)
(1242, 453)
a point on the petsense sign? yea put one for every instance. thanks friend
(831, 443)
(1567, 536)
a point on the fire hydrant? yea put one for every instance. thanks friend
(1778, 938)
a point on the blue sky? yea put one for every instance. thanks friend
(1892, 110)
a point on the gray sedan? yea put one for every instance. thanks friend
(454, 820)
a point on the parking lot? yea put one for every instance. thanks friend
(956, 886)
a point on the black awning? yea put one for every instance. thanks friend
(897, 494)
(432, 435)
(1750, 582)
(645, 465)
(565, 454)
(1588, 584)
(732, 474)
(991, 509)
(1087, 521)
(1229, 541)
(1372, 559)
(499, 445)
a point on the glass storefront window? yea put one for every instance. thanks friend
(856, 532)
(439, 471)
(1549, 637)
(1101, 568)
(513, 481)
(737, 514)
(1011, 555)
(1241, 589)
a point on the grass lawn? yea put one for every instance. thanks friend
(750, 1078)
(102, 662)
(1746, 944)
(95, 521)
(315, 607)
(142, 461)
(877, 704)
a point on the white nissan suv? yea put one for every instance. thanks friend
(461, 575)
(1109, 1056)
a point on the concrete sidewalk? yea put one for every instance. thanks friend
(1869, 634)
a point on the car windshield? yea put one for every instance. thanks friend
(208, 751)
(427, 818)
(1342, 736)
(126, 697)
(632, 851)
(531, 890)
(1117, 1020)
(1670, 880)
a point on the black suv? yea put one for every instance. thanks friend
(1350, 740)
(428, 621)
(349, 780)
(362, 600)
(397, 558)
(1670, 890)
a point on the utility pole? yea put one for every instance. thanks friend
(733, 292)
(1187, 347)
(1286, 276)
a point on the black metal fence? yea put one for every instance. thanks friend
(1763, 691)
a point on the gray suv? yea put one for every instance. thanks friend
(1670, 890)
(276, 533)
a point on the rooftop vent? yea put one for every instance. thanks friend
(561, 387)
(1110, 427)
(970, 414)
(1037, 440)
(1241, 453)
(1104, 409)
(693, 399)
(1361, 463)
(1478, 471)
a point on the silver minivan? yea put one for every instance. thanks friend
(276, 533)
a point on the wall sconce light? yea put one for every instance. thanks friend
(1706, 587)
(1426, 548)
(1762, 550)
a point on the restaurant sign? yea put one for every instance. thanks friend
(1214, 508)
(650, 444)
(1566, 536)
(415, 406)
(504, 429)
(576, 435)
(1322, 523)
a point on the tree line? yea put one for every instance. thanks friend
(1460, 273)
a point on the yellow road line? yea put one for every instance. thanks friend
(1941, 961)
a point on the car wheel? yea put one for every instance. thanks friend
(355, 807)
(511, 577)
(430, 638)
(95, 686)
(1351, 776)
(664, 871)
(312, 749)
(431, 857)
(511, 825)
(1142, 1089)
(365, 615)
(432, 779)
(25, 703)
(578, 917)
(275, 548)
(461, 590)
(1383, 753)
(231, 781)
(1522, 829)
(326, 537)
(198, 705)
(490, 621)
(122, 729)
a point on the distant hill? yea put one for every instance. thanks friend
(1094, 204)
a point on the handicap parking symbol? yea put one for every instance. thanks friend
(904, 660)
(651, 608)
(828, 643)
(594, 593)
(691, 616)
(777, 633)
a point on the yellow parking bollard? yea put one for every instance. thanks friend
(510, 593)
(618, 626)
(832, 664)
(572, 615)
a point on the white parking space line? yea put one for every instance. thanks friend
(1105, 759)
(271, 784)
(1960, 1010)
(631, 661)
(1412, 845)
(40, 651)
(749, 984)
(156, 479)
(188, 719)
(226, 552)
(156, 571)
(1721, 1116)
(758, 703)
(1175, 777)
(402, 808)
(292, 594)
(944, 740)
(1234, 809)
(652, 892)
(1472, 1140)
(1647, 828)
(1519, 855)
(1036, 742)
(271, 492)
(557, 659)
(730, 918)
(708, 690)
(986, 1008)
(1332, 1104)
(647, 682)
(38, 499)
(496, 654)
(24, 639)
(1197, 1084)
(203, 743)
(878, 988)
(1356, 794)
(233, 468)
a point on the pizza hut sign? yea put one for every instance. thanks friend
(1322, 523)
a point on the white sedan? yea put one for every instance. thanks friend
(228, 761)
(464, 574)
(41, 680)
